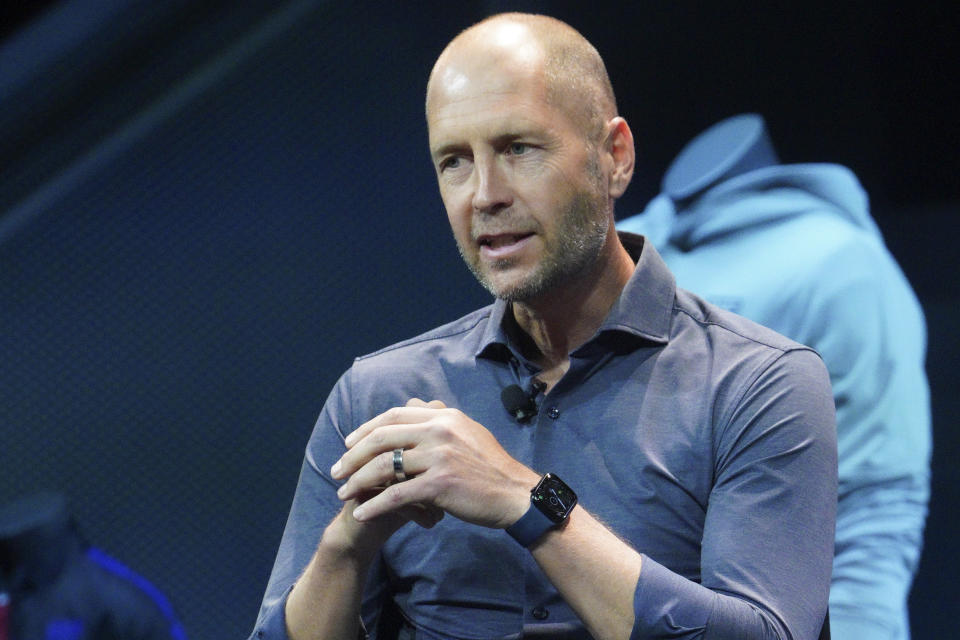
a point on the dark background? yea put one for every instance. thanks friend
(208, 208)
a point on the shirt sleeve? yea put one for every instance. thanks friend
(315, 504)
(768, 536)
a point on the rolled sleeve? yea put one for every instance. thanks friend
(272, 621)
(667, 605)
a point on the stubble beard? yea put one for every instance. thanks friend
(571, 253)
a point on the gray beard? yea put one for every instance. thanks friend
(576, 250)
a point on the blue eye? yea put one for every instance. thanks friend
(518, 148)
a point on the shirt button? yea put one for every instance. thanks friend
(554, 413)
(540, 613)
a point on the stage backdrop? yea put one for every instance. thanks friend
(208, 209)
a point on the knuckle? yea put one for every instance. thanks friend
(441, 481)
(384, 462)
(440, 430)
(443, 455)
(394, 494)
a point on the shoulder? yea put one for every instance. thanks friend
(757, 374)
(737, 354)
(427, 356)
(423, 366)
(728, 327)
(450, 335)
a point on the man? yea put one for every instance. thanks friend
(793, 247)
(701, 446)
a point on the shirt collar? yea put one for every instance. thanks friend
(641, 314)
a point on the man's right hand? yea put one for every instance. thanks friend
(346, 534)
(348, 546)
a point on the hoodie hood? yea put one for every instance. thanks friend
(729, 179)
(768, 195)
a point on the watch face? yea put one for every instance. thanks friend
(554, 498)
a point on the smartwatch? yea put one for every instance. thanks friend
(551, 502)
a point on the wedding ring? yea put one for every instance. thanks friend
(398, 472)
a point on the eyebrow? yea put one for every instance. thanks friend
(498, 142)
(447, 149)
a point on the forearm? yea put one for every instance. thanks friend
(598, 575)
(594, 571)
(325, 601)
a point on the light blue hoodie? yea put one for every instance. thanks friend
(794, 248)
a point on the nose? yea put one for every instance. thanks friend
(492, 191)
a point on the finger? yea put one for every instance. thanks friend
(396, 415)
(383, 440)
(379, 471)
(392, 499)
(426, 516)
(374, 532)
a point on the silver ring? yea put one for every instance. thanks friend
(398, 472)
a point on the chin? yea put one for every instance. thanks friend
(518, 289)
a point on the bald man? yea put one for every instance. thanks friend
(656, 467)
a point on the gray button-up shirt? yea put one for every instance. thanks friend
(704, 440)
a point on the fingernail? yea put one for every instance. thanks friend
(358, 514)
(335, 469)
(342, 491)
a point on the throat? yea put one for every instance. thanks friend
(551, 375)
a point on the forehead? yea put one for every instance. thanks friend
(473, 99)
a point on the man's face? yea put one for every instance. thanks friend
(523, 190)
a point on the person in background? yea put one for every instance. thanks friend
(55, 586)
(793, 247)
(597, 453)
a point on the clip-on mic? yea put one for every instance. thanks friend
(521, 405)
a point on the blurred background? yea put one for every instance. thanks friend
(207, 209)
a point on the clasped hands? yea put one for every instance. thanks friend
(454, 465)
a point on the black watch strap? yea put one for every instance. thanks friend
(528, 529)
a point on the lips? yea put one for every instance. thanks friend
(501, 239)
(500, 245)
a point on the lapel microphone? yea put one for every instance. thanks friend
(520, 404)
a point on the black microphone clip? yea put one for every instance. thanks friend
(521, 405)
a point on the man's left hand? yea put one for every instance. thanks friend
(451, 461)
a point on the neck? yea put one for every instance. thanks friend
(560, 321)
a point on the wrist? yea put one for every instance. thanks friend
(549, 506)
(353, 541)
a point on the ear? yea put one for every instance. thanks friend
(619, 149)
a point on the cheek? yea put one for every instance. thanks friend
(459, 222)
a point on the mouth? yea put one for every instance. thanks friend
(502, 242)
